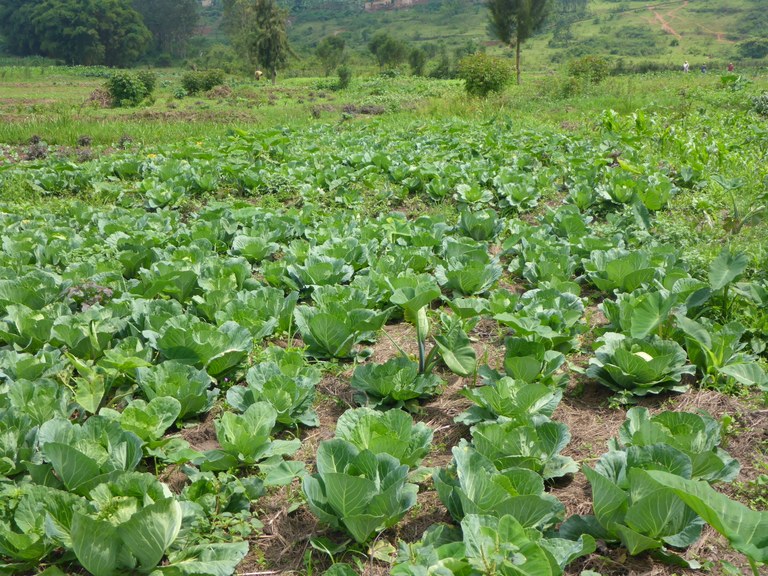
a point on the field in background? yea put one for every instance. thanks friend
(59, 105)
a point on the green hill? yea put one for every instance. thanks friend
(636, 32)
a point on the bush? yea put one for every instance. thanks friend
(221, 57)
(149, 79)
(760, 104)
(345, 76)
(593, 69)
(756, 48)
(444, 69)
(484, 74)
(129, 88)
(202, 81)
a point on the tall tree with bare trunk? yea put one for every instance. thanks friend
(257, 28)
(515, 21)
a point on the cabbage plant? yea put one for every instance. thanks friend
(639, 515)
(531, 361)
(619, 269)
(535, 445)
(191, 341)
(358, 491)
(718, 352)
(193, 388)
(488, 545)
(392, 432)
(397, 382)
(641, 313)
(744, 528)
(470, 277)
(481, 225)
(284, 380)
(340, 320)
(547, 316)
(509, 398)
(473, 485)
(637, 367)
(691, 439)
(84, 456)
(245, 439)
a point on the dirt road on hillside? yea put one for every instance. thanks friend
(664, 19)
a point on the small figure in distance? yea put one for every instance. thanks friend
(730, 66)
(258, 74)
(686, 66)
(703, 68)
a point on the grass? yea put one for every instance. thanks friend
(52, 103)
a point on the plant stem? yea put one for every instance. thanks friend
(395, 344)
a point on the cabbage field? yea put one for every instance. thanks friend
(418, 347)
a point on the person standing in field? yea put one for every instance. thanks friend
(703, 68)
(686, 66)
(730, 67)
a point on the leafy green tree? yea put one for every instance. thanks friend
(515, 21)
(16, 25)
(330, 52)
(754, 48)
(388, 50)
(417, 60)
(171, 23)
(77, 31)
(257, 28)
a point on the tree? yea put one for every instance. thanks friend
(754, 48)
(417, 59)
(389, 51)
(171, 22)
(330, 52)
(516, 21)
(77, 31)
(16, 25)
(257, 27)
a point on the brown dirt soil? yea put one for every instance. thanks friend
(203, 436)
(193, 115)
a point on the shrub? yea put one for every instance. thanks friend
(202, 81)
(129, 88)
(760, 104)
(149, 79)
(345, 76)
(594, 69)
(755, 48)
(484, 74)
(444, 69)
(221, 57)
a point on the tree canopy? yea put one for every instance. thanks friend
(86, 32)
(515, 21)
(330, 52)
(388, 50)
(171, 23)
(257, 28)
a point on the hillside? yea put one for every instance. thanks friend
(662, 33)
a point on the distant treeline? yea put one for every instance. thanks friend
(88, 32)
